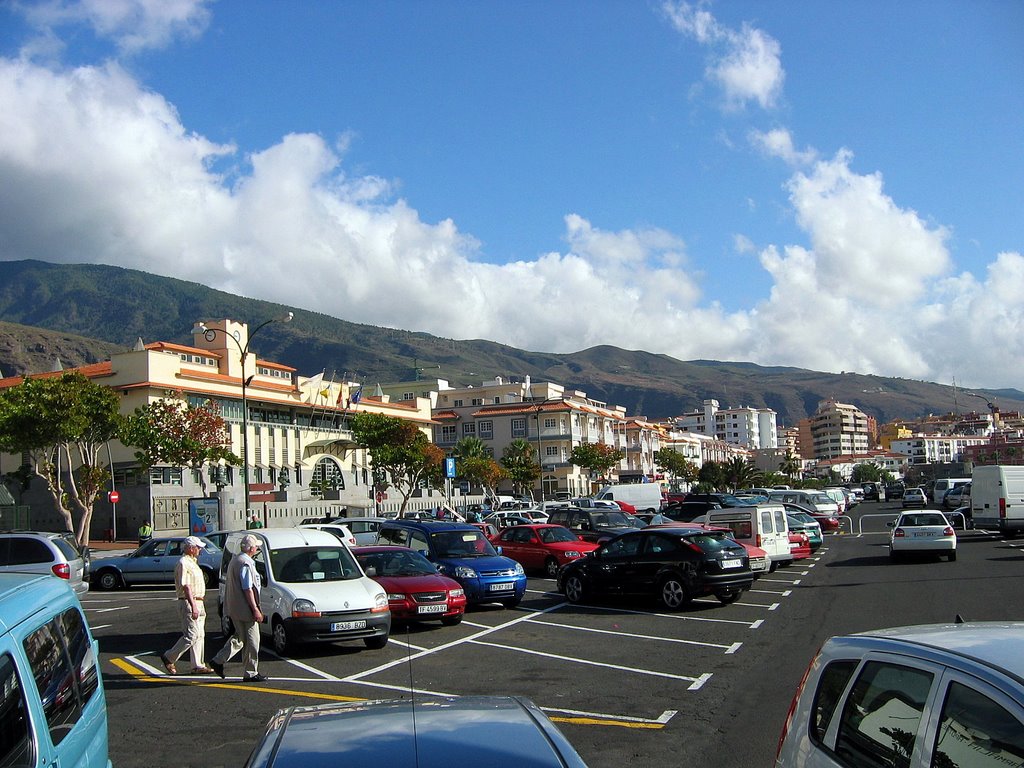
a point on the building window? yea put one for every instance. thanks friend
(477, 401)
(469, 429)
(497, 400)
(408, 395)
(518, 427)
(165, 476)
(550, 423)
(551, 450)
(449, 433)
(486, 430)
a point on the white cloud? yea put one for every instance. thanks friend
(133, 25)
(778, 142)
(746, 63)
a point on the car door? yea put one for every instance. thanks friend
(615, 571)
(142, 566)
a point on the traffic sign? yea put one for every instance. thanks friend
(449, 467)
(113, 497)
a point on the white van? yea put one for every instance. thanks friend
(646, 497)
(52, 707)
(764, 526)
(816, 501)
(997, 498)
(313, 590)
(944, 484)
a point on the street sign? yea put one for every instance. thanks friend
(113, 497)
(449, 467)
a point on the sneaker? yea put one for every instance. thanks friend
(257, 678)
(218, 668)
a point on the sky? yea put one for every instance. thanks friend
(831, 186)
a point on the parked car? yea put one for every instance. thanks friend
(363, 528)
(593, 524)
(816, 500)
(219, 537)
(685, 511)
(505, 518)
(455, 732)
(924, 531)
(913, 497)
(721, 499)
(543, 547)
(957, 497)
(340, 531)
(803, 523)
(799, 545)
(932, 695)
(43, 552)
(827, 522)
(944, 484)
(760, 561)
(313, 590)
(52, 704)
(673, 565)
(462, 552)
(765, 526)
(153, 563)
(416, 591)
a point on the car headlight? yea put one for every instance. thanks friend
(456, 593)
(380, 603)
(519, 570)
(571, 554)
(304, 609)
(398, 596)
(464, 572)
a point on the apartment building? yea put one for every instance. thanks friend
(839, 429)
(935, 449)
(301, 458)
(752, 428)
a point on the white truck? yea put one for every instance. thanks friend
(997, 498)
(646, 497)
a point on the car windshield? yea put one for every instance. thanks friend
(556, 534)
(803, 516)
(728, 500)
(404, 562)
(300, 565)
(712, 541)
(917, 520)
(610, 520)
(461, 544)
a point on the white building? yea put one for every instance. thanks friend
(753, 428)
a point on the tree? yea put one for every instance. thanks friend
(61, 423)
(476, 465)
(597, 458)
(866, 473)
(678, 466)
(740, 473)
(790, 466)
(522, 470)
(711, 475)
(401, 454)
(169, 431)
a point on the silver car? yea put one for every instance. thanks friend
(153, 563)
(43, 552)
(932, 695)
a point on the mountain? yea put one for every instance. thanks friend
(80, 313)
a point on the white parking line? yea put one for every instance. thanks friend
(695, 682)
(728, 648)
(777, 581)
(675, 616)
(770, 607)
(108, 610)
(667, 715)
(784, 593)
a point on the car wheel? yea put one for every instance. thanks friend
(208, 579)
(952, 556)
(673, 594)
(893, 556)
(575, 589)
(551, 567)
(451, 621)
(279, 637)
(774, 567)
(512, 602)
(375, 643)
(108, 579)
(727, 597)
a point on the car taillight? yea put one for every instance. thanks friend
(62, 570)
(792, 705)
(694, 547)
(949, 531)
(757, 541)
(1002, 507)
(898, 533)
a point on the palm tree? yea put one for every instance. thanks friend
(790, 465)
(740, 473)
(518, 460)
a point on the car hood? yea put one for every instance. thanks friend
(427, 583)
(480, 563)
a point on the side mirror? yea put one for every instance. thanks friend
(370, 571)
(498, 550)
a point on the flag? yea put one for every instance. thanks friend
(357, 396)
(315, 383)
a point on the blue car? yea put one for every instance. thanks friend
(153, 563)
(461, 552)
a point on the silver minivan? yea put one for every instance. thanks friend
(43, 552)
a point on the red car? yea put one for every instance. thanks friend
(799, 545)
(541, 546)
(416, 591)
(626, 507)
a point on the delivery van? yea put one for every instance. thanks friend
(997, 498)
(944, 484)
(764, 526)
(646, 497)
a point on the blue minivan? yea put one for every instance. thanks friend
(52, 708)
(462, 552)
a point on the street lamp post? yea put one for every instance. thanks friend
(210, 334)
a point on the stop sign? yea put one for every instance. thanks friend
(113, 497)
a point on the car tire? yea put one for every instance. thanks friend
(673, 594)
(551, 567)
(109, 579)
(575, 590)
(376, 642)
(727, 597)
(451, 621)
(893, 556)
(279, 638)
(208, 577)
(512, 602)
(951, 556)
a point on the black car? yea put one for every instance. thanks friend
(721, 499)
(674, 565)
(686, 511)
(593, 523)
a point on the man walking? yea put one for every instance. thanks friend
(190, 587)
(242, 605)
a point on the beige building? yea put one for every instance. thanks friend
(839, 429)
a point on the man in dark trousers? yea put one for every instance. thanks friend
(242, 605)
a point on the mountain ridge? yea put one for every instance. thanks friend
(93, 310)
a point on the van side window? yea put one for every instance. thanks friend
(396, 536)
(64, 670)
(977, 730)
(418, 543)
(882, 715)
(780, 521)
(766, 522)
(830, 689)
(15, 744)
(24, 551)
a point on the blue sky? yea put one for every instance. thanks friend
(833, 186)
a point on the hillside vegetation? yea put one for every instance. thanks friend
(81, 313)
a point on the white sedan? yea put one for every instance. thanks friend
(924, 531)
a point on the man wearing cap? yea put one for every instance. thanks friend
(242, 605)
(190, 589)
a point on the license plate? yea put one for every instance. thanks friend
(342, 626)
(732, 563)
(924, 535)
(439, 608)
(502, 587)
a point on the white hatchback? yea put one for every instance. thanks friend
(924, 531)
